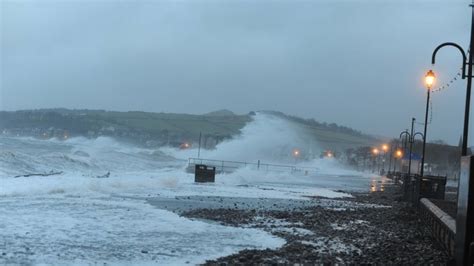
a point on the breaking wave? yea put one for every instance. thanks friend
(132, 169)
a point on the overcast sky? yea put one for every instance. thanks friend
(356, 63)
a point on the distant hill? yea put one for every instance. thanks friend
(144, 127)
(162, 128)
(222, 112)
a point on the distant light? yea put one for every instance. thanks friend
(430, 79)
(329, 154)
(399, 153)
(185, 145)
(375, 151)
(385, 147)
(296, 152)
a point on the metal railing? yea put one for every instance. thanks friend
(230, 166)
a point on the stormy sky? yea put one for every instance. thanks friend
(356, 63)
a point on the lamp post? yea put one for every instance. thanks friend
(385, 149)
(375, 152)
(465, 213)
(411, 139)
(429, 81)
(398, 154)
(296, 154)
(405, 142)
(468, 63)
(390, 158)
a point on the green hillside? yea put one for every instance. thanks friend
(162, 128)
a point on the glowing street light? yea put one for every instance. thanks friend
(430, 79)
(399, 154)
(296, 153)
(185, 146)
(384, 149)
(375, 151)
(327, 154)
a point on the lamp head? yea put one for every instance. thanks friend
(430, 79)
(296, 152)
(399, 154)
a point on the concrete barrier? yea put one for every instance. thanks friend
(443, 226)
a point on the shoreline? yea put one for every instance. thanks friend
(369, 228)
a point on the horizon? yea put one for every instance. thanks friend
(354, 63)
(379, 137)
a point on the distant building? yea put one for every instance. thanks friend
(415, 163)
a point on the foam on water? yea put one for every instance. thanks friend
(137, 170)
(76, 217)
(74, 230)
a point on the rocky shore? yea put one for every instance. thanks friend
(373, 228)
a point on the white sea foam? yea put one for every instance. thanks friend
(135, 170)
(267, 138)
(74, 230)
(88, 219)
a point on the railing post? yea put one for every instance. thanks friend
(465, 214)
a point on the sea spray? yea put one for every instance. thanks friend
(268, 138)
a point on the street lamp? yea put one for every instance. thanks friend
(468, 63)
(398, 154)
(465, 212)
(411, 139)
(375, 152)
(429, 81)
(385, 149)
(185, 146)
(296, 154)
(329, 154)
